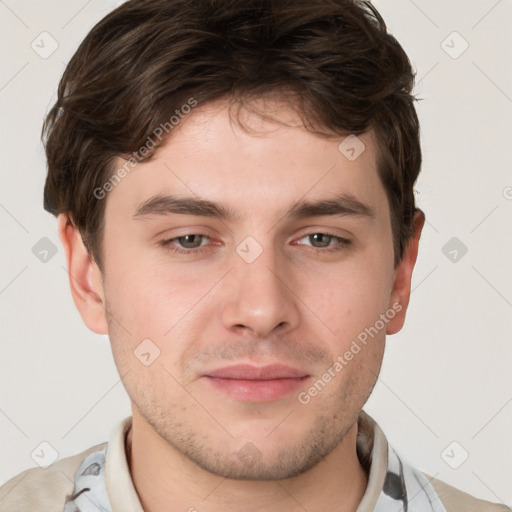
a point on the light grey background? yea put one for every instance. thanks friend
(446, 377)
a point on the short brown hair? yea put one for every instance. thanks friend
(147, 58)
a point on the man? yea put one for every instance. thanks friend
(234, 190)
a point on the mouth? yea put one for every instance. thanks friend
(257, 384)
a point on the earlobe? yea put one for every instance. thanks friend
(84, 277)
(403, 275)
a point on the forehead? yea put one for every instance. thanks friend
(256, 166)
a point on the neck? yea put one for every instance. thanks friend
(165, 479)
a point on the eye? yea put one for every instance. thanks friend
(187, 244)
(322, 242)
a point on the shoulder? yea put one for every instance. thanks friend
(39, 489)
(455, 500)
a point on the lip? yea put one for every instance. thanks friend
(248, 372)
(257, 384)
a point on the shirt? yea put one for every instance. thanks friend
(99, 479)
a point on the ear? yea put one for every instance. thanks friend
(399, 299)
(84, 277)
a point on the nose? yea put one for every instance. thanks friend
(260, 297)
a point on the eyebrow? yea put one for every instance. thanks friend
(340, 205)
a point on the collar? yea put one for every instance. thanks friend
(392, 483)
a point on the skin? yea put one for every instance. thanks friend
(296, 304)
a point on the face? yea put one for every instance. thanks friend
(245, 314)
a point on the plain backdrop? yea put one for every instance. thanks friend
(445, 391)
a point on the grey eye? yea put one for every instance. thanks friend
(193, 241)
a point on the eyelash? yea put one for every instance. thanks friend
(343, 243)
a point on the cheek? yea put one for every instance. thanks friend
(348, 299)
(157, 304)
(147, 295)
